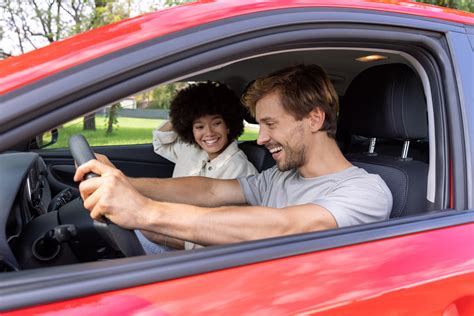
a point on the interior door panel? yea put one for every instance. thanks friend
(133, 160)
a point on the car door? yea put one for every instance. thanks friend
(414, 265)
(133, 160)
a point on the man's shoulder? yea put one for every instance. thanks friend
(355, 174)
(360, 179)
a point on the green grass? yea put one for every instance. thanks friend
(249, 134)
(128, 131)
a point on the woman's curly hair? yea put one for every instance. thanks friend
(207, 98)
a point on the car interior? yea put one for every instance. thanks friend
(385, 127)
(391, 98)
(382, 120)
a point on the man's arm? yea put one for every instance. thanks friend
(112, 195)
(213, 226)
(200, 191)
(189, 190)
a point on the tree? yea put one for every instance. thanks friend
(105, 12)
(38, 23)
(89, 119)
(112, 117)
(171, 3)
(161, 96)
(465, 5)
(35, 23)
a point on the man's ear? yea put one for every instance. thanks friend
(316, 119)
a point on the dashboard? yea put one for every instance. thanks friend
(41, 230)
(33, 197)
(24, 195)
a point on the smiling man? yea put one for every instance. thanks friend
(312, 187)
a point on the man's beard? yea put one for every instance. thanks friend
(294, 158)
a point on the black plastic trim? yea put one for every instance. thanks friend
(14, 168)
(462, 59)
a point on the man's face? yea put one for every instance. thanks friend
(280, 132)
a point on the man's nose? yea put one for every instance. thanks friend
(263, 137)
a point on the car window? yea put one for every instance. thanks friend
(130, 121)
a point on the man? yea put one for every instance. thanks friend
(312, 187)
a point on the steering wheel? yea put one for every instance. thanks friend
(117, 237)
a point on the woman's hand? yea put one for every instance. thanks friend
(167, 127)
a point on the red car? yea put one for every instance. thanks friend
(391, 62)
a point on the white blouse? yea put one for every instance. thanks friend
(190, 160)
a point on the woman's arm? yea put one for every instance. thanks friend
(167, 127)
(166, 142)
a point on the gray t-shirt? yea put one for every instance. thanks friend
(352, 196)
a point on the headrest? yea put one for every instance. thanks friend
(258, 155)
(386, 101)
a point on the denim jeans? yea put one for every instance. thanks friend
(149, 246)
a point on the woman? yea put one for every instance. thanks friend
(201, 139)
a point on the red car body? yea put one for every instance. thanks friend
(377, 278)
(93, 44)
(417, 270)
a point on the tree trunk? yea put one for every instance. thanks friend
(112, 119)
(89, 122)
(110, 122)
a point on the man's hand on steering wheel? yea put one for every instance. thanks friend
(111, 195)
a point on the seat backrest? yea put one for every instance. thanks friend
(257, 154)
(388, 101)
(405, 179)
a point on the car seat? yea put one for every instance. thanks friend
(388, 101)
(258, 155)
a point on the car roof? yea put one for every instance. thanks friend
(62, 55)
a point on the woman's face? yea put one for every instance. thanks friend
(210, 133)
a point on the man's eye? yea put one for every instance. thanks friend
(217, 123)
